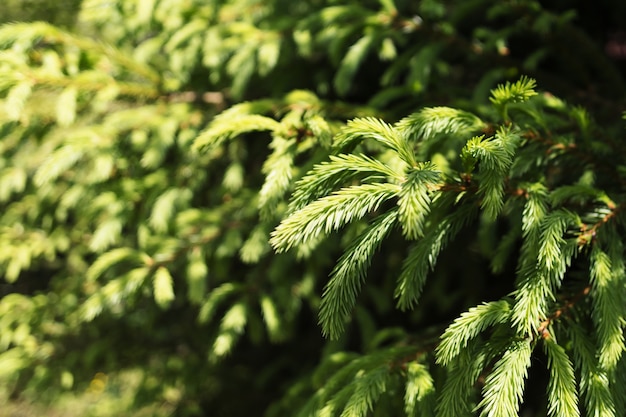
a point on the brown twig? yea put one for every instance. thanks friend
(542, 330)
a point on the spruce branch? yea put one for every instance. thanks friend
(93, 82)
(588, 234)
(368, 375)
(326, 176)
(415, 199)
(496, 158)
(544, 261)
(595, 382)
(519, 91)
(367, 389)
(562, 392)
(278, 167)
(352, 61)
(371, 128)
(330, 213)
(432, 122)
(230, 330)
(463, 373)
(34, 32)
(341, 291)
(564, 308)
(504, 386)
(422, 256)
(216, 298)
(608, 312)
(226, 128)
(468, 326)
(419, 391)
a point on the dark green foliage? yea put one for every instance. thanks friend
(188, 188)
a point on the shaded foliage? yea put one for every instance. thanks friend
(189, 188)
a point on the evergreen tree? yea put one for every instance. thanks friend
(358, 208)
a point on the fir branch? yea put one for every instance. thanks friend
(562, 393)
(532, 298)
(33, 32)
(326, 176)
(432, 122)
(367, 389)
(617, 388)
(278, 167)
(468, 326)
(588, 234)
(215, 299)
(93, 82)
(496, 158)
(59, 162)
(372, 128)
(594, 382)
(225, 128)
(114, 257)
(519, 91)
(359, 373)
(535, 209)
(328, 381)
(231, 329)
(414, 199)
(551, 256)
(271, 316)
(598, 395)
(458, 388)
(422, 256)
(330, 213)
(419, 391)
(341, 291)
(256, 245)
(320, 129)
(564, 308)
(608, 312)
(577, 193)
(246, 108)
(163, 287)
(542, 272)
(165, 206)
(114, 294)
(344, 376)
(351, 63)
(504, 386)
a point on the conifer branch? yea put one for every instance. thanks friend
(32, 33)
(330, 213)
(496, 157)
(504, 386)
(565, 307)
(420, 390)
(341, 291)
(594, 381)
(608, 312)
(92, 83)
(433, 122)
(414, 202)
(463, 373)
(371, 128)
(562, 392)
(422, 256)
(468, 326)
(326, 176)
(224, 129)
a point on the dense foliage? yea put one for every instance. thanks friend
(317, 208)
